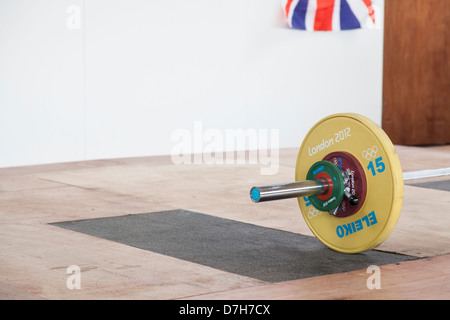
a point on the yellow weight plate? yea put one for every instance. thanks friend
(369, 144)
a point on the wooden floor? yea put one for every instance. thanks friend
(34, 256)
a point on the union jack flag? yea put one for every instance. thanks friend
(329, 15)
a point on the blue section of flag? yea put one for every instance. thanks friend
(298, 18)
(348, 19)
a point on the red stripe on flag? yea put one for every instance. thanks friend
(288, 6)
(368, 4)
(324, 15)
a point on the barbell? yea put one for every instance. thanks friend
(348, 182)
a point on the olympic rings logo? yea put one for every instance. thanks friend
(313, 212)
(370, 153)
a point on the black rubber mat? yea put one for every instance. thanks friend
(437, 185)
(245, 249)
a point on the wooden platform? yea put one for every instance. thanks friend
(34, 255)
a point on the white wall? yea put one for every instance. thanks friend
(136, 70)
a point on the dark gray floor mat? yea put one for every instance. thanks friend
(245, 249)
(437, 185)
